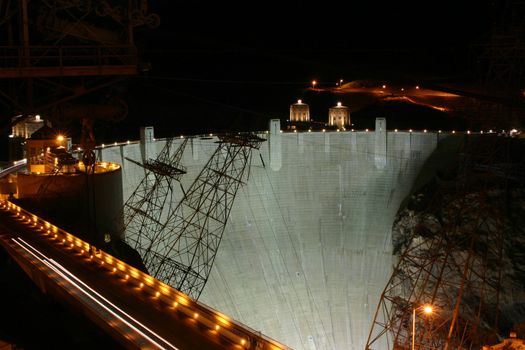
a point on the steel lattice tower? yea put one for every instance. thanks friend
(498, 66)
(143, 211)
(505, 51)
(452, 260)
(184, 249)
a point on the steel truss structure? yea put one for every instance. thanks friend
(452, 260)
(183, 249)
(504, 54)
(60, 58)
(143, 211)
(498, 66)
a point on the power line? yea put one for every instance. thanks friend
(237, 108)
(224, 81)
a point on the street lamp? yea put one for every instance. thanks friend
(314, 83)
(427, 309)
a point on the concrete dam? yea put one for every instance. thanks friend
(307, 248)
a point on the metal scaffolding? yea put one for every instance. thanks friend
(452, 259)
(183, 249)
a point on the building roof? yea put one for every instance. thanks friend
(44, 133)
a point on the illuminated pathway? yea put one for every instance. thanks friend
(133, 307)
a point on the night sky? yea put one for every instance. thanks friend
(231, 65)
(235, 65)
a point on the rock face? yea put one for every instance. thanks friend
(459, 241)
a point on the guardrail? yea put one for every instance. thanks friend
(212, 320)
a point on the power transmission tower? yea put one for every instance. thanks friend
(452, 259)
(505, 51)
(499, 67)
(184, 249)
(144, 209)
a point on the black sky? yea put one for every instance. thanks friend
(293, 27)
(298, 40)
(236, 64)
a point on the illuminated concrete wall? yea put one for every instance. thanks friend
(307, 250)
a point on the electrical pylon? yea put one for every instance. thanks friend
(183, 252)
(452, 258)
(145, 210)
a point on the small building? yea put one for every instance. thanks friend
(41, 148)
(299, 112)
(339, 116)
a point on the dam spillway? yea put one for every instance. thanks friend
(307, 248)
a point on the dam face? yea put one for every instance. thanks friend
(307, 249)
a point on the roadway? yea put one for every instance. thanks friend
(141, 315)
(17, 165)
(434, 95)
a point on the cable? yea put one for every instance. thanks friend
(220, 81)
(237, 108)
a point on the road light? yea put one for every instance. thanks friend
(314, 83)
(427, 310)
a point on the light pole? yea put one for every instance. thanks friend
(427, 309)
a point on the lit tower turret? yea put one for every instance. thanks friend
(299, 112)
(339, 115)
